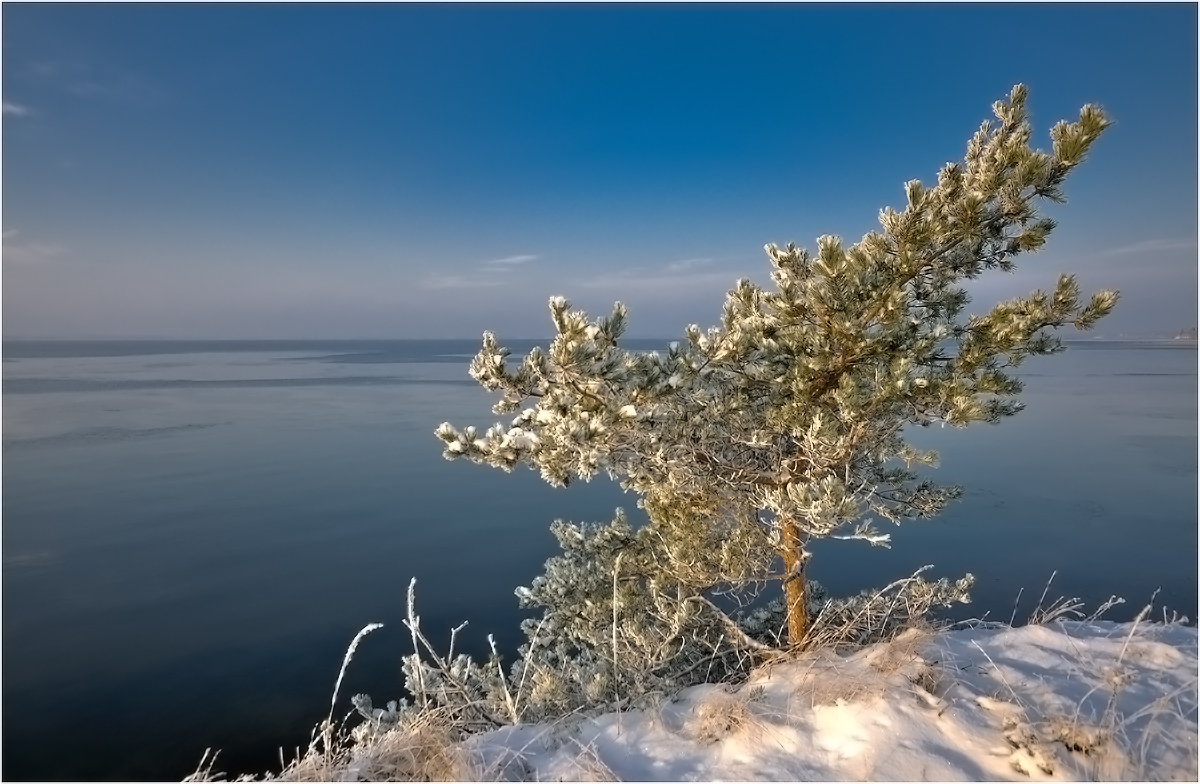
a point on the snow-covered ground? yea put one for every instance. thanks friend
(1063, 701)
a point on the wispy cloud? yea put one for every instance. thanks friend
(457, 282)
(126, 88)
(88, 80)
(16, 110)
(1150, 246)
(687, 265)
(31, 252)
(684, 274)
(479, 276)
(28, 252)
(508, 262)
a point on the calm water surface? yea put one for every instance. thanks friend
(194, 531)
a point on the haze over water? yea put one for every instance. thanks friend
(193, 532)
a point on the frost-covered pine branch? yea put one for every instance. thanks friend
(785, 423)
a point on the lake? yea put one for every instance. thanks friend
(194, 531)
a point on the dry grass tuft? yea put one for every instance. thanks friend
(902, 653)
(719, 715)
(204, 770)
(313, 766)
(587, 766)
(830, 680)
(424, 747)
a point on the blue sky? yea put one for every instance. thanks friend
(415, 171)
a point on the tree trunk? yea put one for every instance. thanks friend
(794, 587)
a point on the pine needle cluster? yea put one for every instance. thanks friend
(784, 424)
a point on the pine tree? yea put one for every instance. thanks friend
(785, 423)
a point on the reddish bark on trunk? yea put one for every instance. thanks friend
(794, 587)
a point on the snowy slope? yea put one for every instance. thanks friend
(1064, 701)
